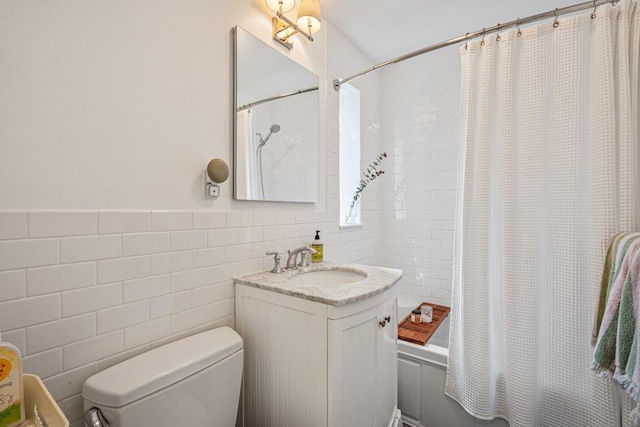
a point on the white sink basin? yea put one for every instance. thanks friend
(328, 277)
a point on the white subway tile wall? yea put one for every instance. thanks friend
(77, 304)
(12, 285)
(13, 225)
(55, 224)
(28, 253)
(421, 103)
(111, 222)
(90, 248)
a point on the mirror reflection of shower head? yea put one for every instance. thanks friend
(275, 128)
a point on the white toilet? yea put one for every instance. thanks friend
(191, 382)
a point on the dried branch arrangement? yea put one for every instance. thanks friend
(369, 175)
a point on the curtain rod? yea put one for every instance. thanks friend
(273, 98)
(518, 22)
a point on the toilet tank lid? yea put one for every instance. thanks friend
(154, 370)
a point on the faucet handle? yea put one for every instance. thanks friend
(304, 259)
(305, 254)
(276, 259)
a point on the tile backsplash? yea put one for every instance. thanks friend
(83, 290)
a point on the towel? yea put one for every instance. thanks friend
(616, 346)
(626, 345)
(630, 378)
(607, 274)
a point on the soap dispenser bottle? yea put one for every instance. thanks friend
(12, 412)
(317, 245)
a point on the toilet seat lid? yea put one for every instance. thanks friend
(154, 370)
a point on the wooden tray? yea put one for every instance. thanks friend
(419, 333)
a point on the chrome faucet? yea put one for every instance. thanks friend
(293, 256)
(276, 260)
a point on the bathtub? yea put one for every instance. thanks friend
(421, 377)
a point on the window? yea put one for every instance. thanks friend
(349, 155)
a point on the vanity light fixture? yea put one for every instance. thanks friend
(308, 22)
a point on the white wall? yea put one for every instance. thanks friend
(121, 104)
(421, 103)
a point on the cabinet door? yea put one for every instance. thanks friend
(353, 361)
(387, 370)
(363, 366)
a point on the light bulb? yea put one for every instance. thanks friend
(275, 5)
(310, 16)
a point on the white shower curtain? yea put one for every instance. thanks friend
(549, 153)
(247, 183)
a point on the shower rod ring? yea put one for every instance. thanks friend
(466, 43)
(498, 37)
(593, 14)
(484, 30)
(556, 24)
(518, 27)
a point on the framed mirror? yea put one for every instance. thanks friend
(276, 105)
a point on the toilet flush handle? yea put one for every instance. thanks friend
(93, 418)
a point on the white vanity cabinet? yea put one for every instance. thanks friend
(309, 363)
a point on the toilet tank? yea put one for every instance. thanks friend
(191, 382)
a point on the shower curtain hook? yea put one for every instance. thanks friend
(498, 38)
(593, 15)
(484, 30)
(555, 21)
(518, 27)
(466, 43)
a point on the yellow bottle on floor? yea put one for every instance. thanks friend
(318, 246)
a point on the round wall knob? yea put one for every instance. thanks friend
(218, 170)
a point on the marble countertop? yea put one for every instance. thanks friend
(377, 280)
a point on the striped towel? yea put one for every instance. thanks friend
(608, 275)
(616, 352)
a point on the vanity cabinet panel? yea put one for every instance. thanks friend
(312, 364)
(387, 373)
(284, 340)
